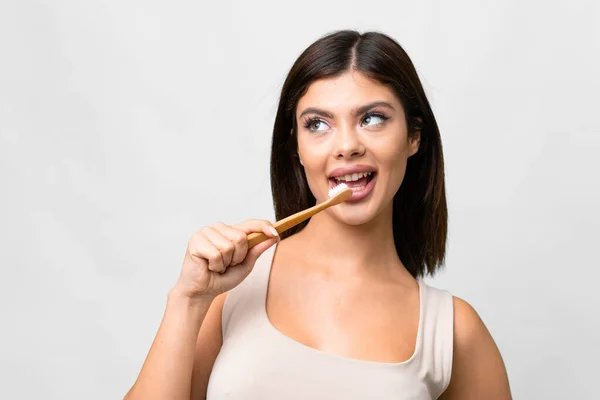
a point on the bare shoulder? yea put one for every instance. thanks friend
(468, 325)
(478, 371)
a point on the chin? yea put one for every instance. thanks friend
(354, 214)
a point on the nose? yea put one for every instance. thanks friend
(347, 143)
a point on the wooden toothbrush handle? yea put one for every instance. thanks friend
(287, 223)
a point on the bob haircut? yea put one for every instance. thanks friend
(420, 215)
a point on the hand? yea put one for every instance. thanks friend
(217, 258)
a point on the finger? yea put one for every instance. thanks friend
(238, 238)
(223, 244)
(258, 225)
(257, 251)
(202, 251)
(239, 272)
(219, 260)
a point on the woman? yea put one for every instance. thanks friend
(335, 308)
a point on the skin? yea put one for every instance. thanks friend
(352, 296)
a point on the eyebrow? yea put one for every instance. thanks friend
(356, 112)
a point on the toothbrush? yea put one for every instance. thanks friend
(337, 195)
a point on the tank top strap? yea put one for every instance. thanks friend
(437, 341)
(245, 303)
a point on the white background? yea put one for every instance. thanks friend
(125, 126)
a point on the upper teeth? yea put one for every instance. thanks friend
(353, 177)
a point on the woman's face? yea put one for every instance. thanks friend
(352, 129)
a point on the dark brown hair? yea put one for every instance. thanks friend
(420, 216)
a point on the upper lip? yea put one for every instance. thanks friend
(354, 169)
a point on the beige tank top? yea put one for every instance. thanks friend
(258, 362)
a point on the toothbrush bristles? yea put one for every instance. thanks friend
(337, 189)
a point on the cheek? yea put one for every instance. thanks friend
(313, 156)
(314, 165)
(395, 157)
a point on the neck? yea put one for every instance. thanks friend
(358, 248)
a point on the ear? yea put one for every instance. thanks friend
(300, 158)
(414, 141)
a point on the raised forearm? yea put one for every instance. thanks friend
(167, 371)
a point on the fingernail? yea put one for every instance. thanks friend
(274, 231)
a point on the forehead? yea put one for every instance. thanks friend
(346, 91)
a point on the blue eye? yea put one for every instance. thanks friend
(374, 119)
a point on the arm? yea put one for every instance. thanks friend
(189, 338)
(186, 345)
(478, 371)
(208, 346)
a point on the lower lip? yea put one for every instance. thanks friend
(358, 195)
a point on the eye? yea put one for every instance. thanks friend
(374, 119)
(316, 125)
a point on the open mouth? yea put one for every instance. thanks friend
(357, 181)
